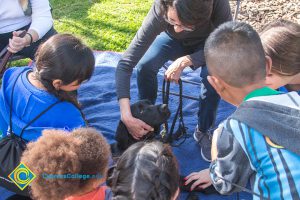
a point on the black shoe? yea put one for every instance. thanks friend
(204, 140)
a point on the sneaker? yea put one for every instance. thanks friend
(204, 140)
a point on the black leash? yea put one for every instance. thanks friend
(170, 136)
(184, 81)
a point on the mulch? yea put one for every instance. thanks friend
(260, 12)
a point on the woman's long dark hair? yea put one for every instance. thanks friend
(146, 171)
(64, 57)
(190, 12)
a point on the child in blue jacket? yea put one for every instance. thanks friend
(62, 63)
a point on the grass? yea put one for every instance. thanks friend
(103, 25)
(107, 25)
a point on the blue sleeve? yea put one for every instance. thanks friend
(231, 164)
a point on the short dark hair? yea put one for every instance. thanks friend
(234, 53)
(64, 57)
(281, 41)
(146, 171)
(190, 12)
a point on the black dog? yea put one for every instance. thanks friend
(153, 115)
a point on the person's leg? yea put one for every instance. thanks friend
(30, 50)
(208, 103)
(163, 48)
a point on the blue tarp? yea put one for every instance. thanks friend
(99, 102)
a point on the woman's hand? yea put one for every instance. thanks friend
(17, 43)
(136, 127)
(174, 71)
(202, 179)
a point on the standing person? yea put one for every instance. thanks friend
(260, 139)
(173, 30)
(34, 16)
(62, 63)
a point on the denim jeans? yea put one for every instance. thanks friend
(163, 49)
(208, 103)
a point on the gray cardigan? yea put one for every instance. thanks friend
(152, 26)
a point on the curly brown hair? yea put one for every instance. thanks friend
(56, 152)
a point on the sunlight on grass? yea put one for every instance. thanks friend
(107, 25)
(103, 25)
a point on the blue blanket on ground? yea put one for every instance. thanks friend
(100, 105)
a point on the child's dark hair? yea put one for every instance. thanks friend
(146, 171)
(190, 12)
(64, 57)
(83, 152)
(281, 41)
(234, 53)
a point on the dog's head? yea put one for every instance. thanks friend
(153, 115)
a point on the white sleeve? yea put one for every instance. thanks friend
(41, 17)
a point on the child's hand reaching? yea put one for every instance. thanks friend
(201, 178)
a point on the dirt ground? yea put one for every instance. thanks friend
(260, 12)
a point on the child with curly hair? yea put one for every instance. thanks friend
(69, 166)
(146, 171)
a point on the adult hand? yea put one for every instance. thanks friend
(202, 179)
(136, 127)
(17, 43)
(174, 71)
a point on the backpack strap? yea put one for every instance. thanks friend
(30, 122)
